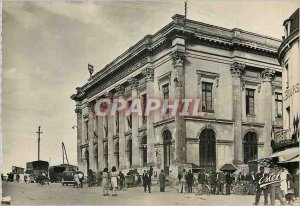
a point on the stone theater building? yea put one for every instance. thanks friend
(234, 73)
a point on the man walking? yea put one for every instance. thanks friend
(275, 187)
(145, 178)
(80, 176)
(221, 180)
(189, 181)
(259, 189)
(162, 181)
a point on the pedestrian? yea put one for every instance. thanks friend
(213, 181)
(295, 183)
(145, 178)
(90, 177)
(180, 187)
(17, 177)
(259, 189)
(81, 177)
(76, 180)
(221, 181)
(228, 183)
(189, 181)
(275, 187)
(105, 182)
(114, 180)
(151, 171)
(162, 181)
(121, 180)
(283, 183)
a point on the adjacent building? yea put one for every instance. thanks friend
(288, 56)
(234, 73)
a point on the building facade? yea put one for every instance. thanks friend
(234, 73)
(288, 56)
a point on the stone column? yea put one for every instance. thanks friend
(91, 136)
(135, 124)
(79, 135)
(100, 143)
(149, 75)
(266, 88)
(122, 143)
(110, 133)
(237, 70)
(178, 57)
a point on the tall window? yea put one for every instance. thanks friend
(207, 149)
(96, 155)
(207, 101)
(278, 102)
(288, 112)
(105, 154)
(87, 129)
(250, 146)
(165, 90)
(117, 122)
(144, 148)
(250, 101)
(129, 118)
(117, 157)
(129, 152)
(287, 75)
(167, 143)
(144, 103)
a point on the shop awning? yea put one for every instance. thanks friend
(285, 156)
(228, 167)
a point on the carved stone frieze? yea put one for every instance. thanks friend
(148, 74)
(267, 75)
(178, 58)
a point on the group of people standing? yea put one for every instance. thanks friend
(217, 182)
(285, 188)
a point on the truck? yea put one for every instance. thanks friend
(34, 168)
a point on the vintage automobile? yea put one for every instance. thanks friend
(68, 178)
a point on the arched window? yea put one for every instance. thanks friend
(167, 142)
(105, 154)
(144, 150)
(250, 146)
(129, 152)
(116, 152)
(207, 149)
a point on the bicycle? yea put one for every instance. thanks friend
(201, 189)
(238, 189)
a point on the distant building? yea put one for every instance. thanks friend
(236, 75)
(288, 56)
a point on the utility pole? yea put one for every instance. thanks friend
(39, 139)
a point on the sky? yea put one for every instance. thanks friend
(47, 46)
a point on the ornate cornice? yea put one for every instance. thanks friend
(178, 58)
(138, 55)
(148, 74)
(237, 69)
(78, 111)
(267, 75)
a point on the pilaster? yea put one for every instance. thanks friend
(149, 75)
(178, 57)
(79, 134)
(100, 132)
(122, 143)
(110, 133)
(91, 136)
(237, 70)
(135, 124)
(267, 77)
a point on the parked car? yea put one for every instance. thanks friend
(68, 178)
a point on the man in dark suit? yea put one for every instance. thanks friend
(189, 181)
(259, 189)
(145, 178)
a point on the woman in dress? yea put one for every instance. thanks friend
(114, 180)
(105, 182)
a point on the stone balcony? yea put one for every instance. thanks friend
(284, 139)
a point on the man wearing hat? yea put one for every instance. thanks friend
(259, 189)
(162, 180)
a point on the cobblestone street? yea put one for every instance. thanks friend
(56, 194)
